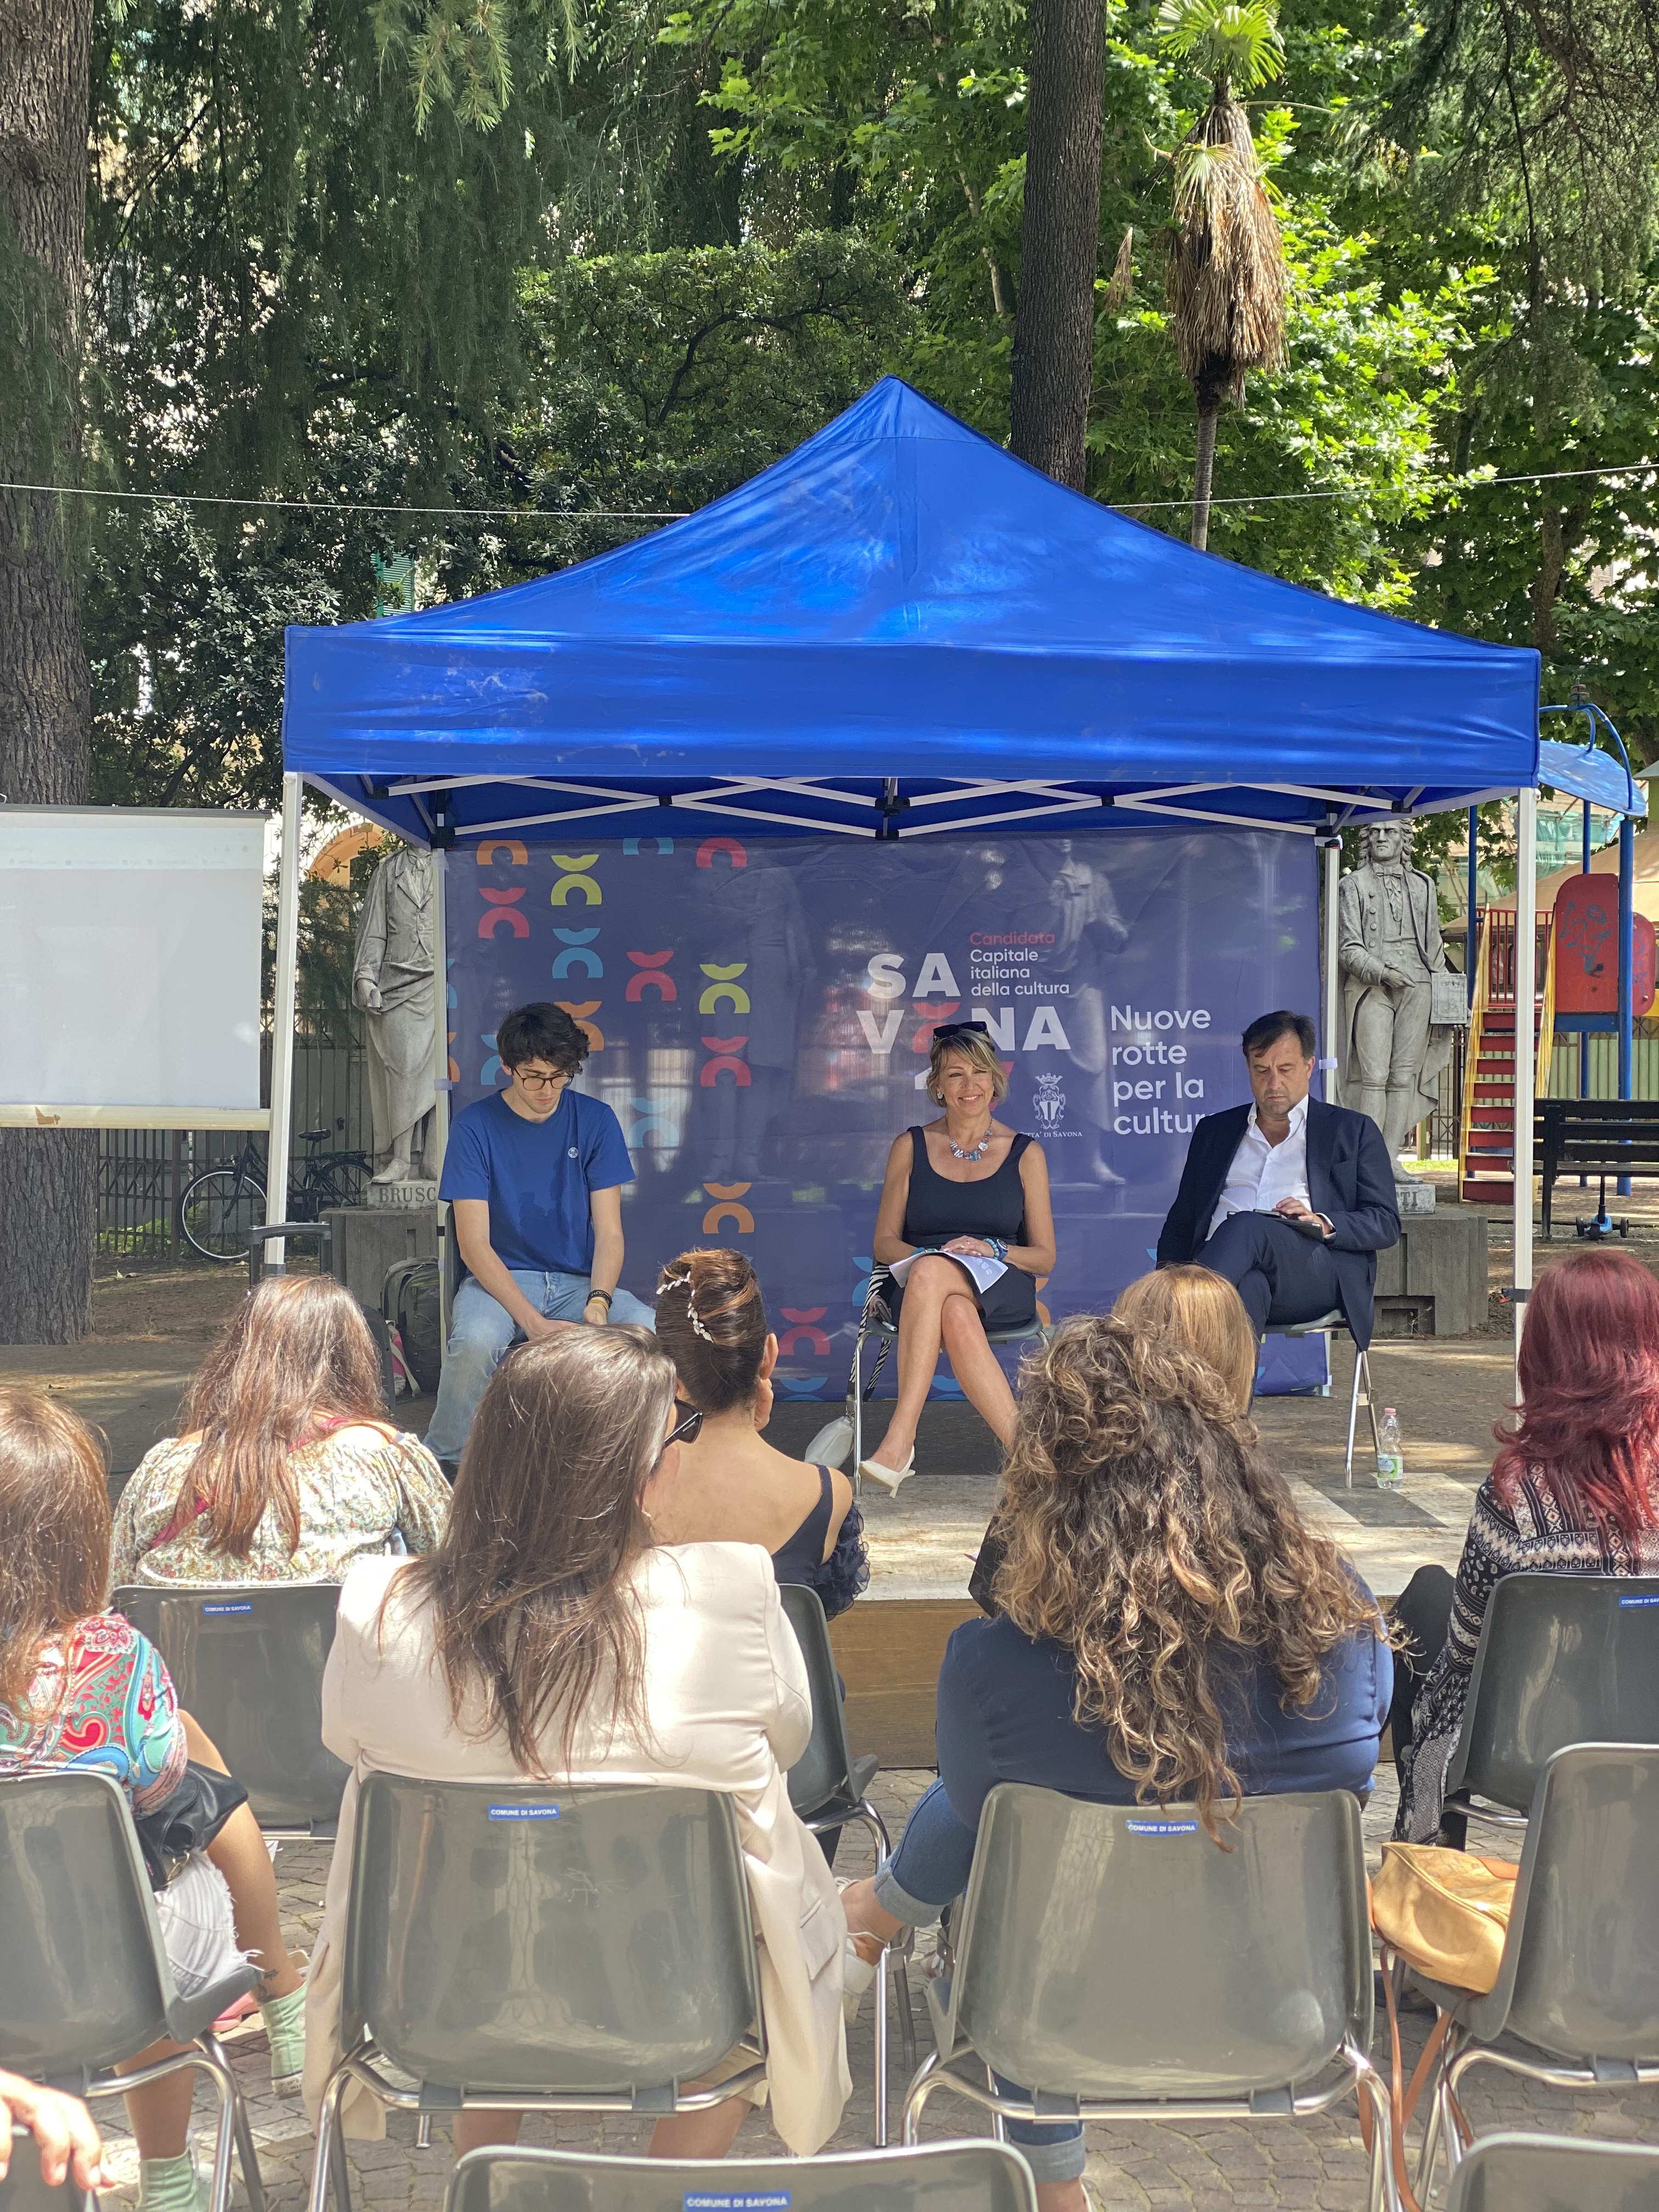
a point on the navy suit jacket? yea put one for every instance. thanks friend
(1350, 1181)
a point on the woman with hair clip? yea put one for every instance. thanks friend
(1168, 1631)
(286, 1470)
(732, 1486)
(550, 1636)
(81, 1687)
(962, 1188)
(1573, 1490)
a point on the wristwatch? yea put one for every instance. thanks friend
(604, 1297)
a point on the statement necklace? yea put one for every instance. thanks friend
(978, 1152)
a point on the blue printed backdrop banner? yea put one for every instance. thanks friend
(760, 1013)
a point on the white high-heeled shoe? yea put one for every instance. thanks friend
(888, 1478)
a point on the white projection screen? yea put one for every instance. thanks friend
(130, 963)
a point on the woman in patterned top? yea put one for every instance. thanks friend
(286, 1471)
(80, 1687)
(1573, 1490)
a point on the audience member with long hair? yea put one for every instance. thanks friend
(1574, 1490)
(549, 1636)
(732, 1486)
(286, 1470)
(1168, 1631)
(81, 1687)
(1195, 1310)
(1191, 1308)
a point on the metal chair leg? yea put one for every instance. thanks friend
(881, 2050)
(247, 2155)
(229, 2130)
(1364, 1359)
(907, 2019)
(857, 1394)
(1353, 1414)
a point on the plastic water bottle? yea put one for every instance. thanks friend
(1390, 1453)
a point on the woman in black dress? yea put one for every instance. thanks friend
(732, 1488)
(963, 1186)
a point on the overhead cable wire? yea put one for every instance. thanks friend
(1451, 485)
(362, 506)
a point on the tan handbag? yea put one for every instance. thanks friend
(1445, 1913)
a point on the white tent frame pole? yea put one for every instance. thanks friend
(1332, 979)
(284, 1008)
(439, 1015)
(1526, 1044)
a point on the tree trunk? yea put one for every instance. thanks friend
(1203, 470)
(1059, 238)
(47, 1177)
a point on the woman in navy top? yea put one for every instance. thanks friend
(1142, 1525)
(964, 1187)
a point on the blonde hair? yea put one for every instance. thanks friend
(1149, 1537)
(974, 1046)
(1196, 1310)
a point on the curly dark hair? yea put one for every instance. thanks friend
(1147, 1535)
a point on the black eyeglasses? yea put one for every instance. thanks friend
(687, 1430)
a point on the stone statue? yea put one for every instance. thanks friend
(1089, 934)
(392, 973)
(1387, 946)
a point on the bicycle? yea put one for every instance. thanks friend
(220, 1207)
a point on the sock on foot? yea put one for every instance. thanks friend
(172, 2184)
(285, 2024)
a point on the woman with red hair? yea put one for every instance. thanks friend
(1573, 1490)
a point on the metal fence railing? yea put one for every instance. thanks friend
(143, 1173)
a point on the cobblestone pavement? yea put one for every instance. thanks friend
(1203, 2164)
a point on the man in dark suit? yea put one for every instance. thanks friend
(1289, 1199)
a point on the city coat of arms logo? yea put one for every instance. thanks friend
(1050, 1104)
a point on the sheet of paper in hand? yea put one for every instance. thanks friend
(984, 1272)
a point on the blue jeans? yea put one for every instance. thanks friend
(928, 1869)
(482, 1332)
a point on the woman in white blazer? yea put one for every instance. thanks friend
(549, 1636)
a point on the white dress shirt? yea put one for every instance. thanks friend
(1262, 1174)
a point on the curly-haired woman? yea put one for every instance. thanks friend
(1168, 1631)
(1573, 1490)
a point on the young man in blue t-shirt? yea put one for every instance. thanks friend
(535, 1175)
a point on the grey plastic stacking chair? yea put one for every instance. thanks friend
(535, 1948)
(828, 1788)
(1122, 1965)
(1335, 1323)
(1562, 1659)
(23, 2190)
(247, 1660)
(964, 2176)
(1555, 2173)
(84, 1981)
(1577, 1985)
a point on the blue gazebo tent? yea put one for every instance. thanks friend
(900, 630)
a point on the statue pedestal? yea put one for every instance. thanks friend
(1433, 1281)
(1413, 1197)
(403, 1194)
(369, 1239)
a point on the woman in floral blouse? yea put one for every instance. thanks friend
(1573, 1490)
(79, 1687)
(286, 1471)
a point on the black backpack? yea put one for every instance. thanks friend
(412, 1304)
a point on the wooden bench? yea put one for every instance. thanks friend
(1594, 1136)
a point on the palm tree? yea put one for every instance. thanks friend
(1225, 277)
